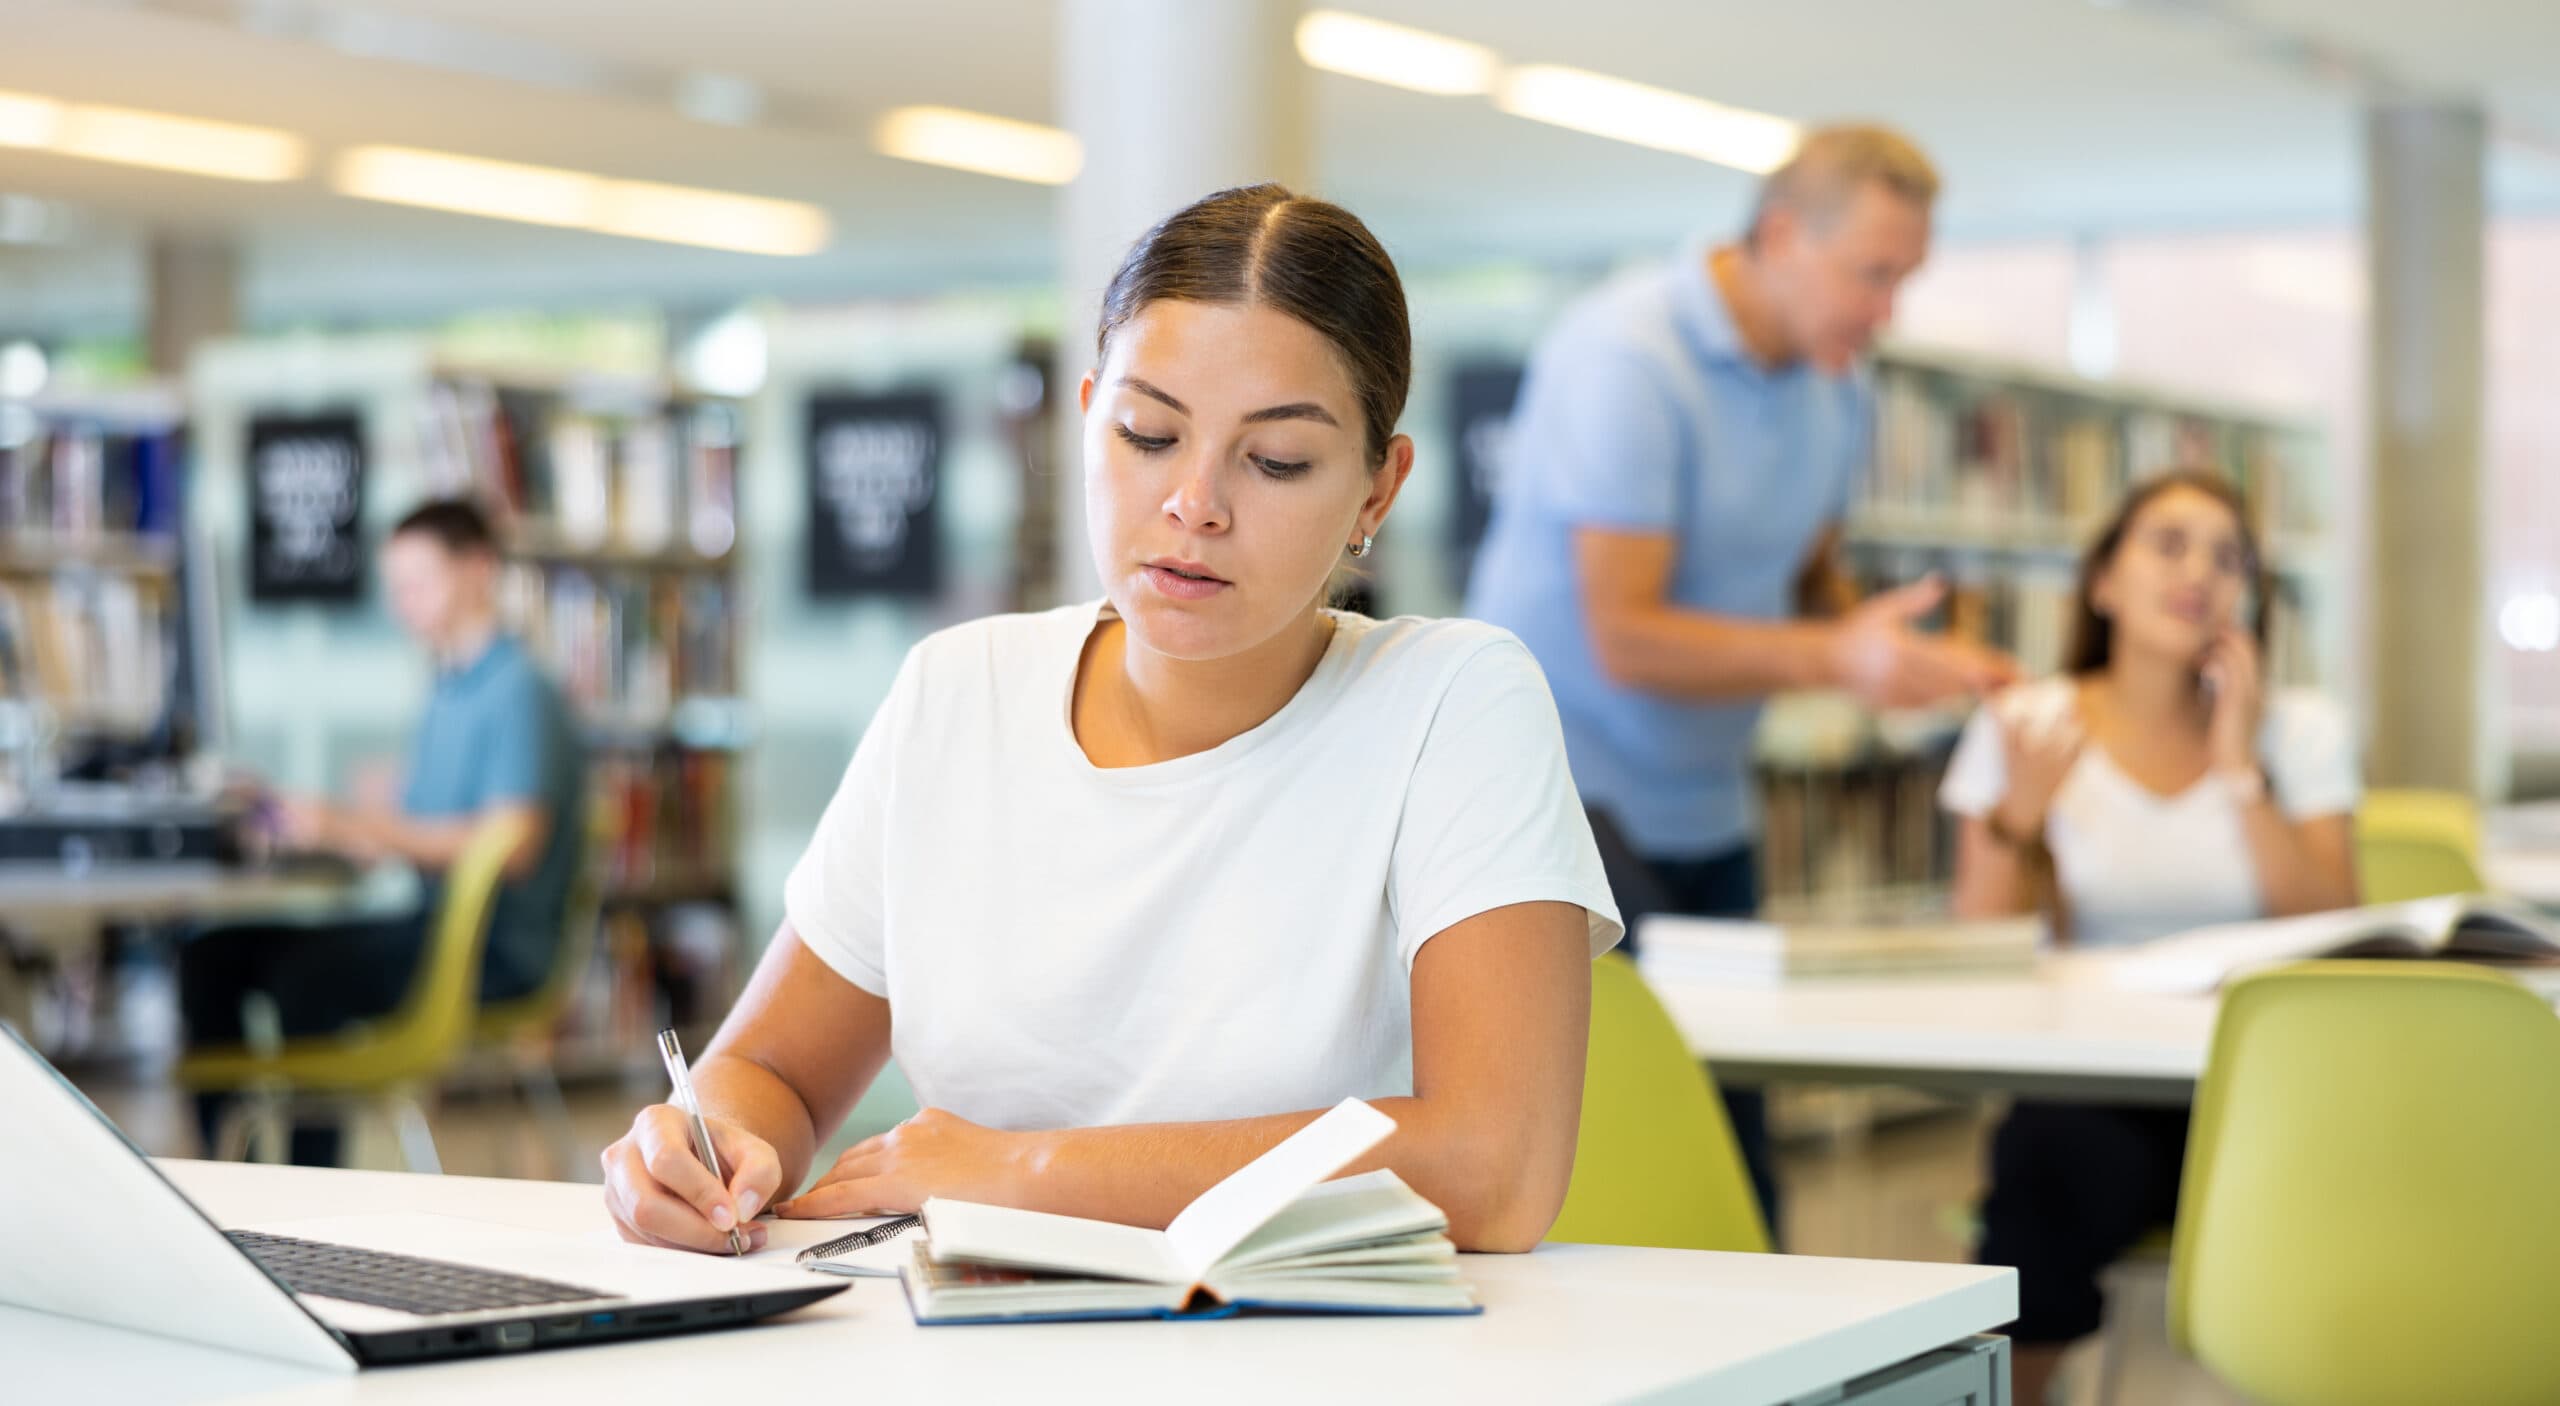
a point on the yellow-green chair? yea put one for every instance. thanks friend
(2371, 1205)
(380, 1065)
(521, 1033)
(1655, 1163)
(2417, 844)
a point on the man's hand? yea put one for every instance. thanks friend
(1880, 657)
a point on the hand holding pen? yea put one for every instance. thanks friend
(660, 1179)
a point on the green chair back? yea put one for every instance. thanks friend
(1655, 1163)
(424, 1034)
(2417, 844)
(2371, 1206)
(539, 1010)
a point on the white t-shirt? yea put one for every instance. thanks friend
(2133, 864)
(1223, 935)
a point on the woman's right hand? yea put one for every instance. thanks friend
(2039, 750)
(660, 1193)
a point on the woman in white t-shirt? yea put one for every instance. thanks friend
(1134, 889)
(2154, 786)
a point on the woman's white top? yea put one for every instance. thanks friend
(2134, 864)
(1224, 935)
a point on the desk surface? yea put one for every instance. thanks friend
(1568, 1323)
(43, 896)
(2058, 1030)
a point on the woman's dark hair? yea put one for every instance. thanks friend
(2093, 636)
(455, 525)
(1311, 259)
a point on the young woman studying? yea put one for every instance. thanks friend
(2154, 786)
(1134, 889)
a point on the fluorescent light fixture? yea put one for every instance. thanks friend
(974, 141)
(132, 137)
(468, 185)
(193, 145)
(1654, 117)
(545, 195)
(1390, 53)
(748, 224)
(27, 120)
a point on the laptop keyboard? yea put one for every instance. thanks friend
(403, 1282)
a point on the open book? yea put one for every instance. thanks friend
(2474, 927)
(1276, 1235)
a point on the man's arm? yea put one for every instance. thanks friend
(1642, 640)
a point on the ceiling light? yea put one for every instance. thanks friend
(974, 141)
(1646, 116)
(468, 185)
(132, 137)
(190, 144)
(714, 219)
(544, 195)
(27, 120)
(1390, 53)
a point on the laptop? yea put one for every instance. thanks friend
(100, 1235)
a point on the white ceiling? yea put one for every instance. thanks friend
(2048, 116)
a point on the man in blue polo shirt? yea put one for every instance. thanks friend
(497, 743)
(1682, 455)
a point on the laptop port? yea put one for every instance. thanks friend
(514, 1335)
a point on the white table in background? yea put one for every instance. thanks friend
(1568, 1323)
(2520, 851)
(2056, 1031)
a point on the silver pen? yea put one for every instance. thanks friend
(680, 1076)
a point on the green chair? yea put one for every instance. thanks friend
(379, 1065)
(1655, 1163)
(2417, 844)
(522, 1033)
(2371, 1205)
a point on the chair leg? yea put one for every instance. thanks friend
(270, 1118)
(417, 1142)
(550, 1109)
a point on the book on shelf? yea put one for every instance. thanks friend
(626, 646)
(1756, 952)
(72, 481)
(95, 648)
(1275, 1236)
(670, 816)
(641, 480)
(2503, 932)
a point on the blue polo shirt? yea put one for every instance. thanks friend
(497, 731)
(1642, 411)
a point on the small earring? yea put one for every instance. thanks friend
(1367, 541)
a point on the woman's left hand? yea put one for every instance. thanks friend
(932, 1154)
(2239, 699)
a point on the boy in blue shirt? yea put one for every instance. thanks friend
(497, 742)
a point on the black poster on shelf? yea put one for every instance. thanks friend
(875, 477)
(306, 507)
(1480, 397)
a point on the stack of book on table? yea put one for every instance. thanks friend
(1754, 952)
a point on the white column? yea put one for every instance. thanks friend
(2435, 711)
(1172, 99)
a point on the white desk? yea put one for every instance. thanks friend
(46, 897)
(2520, 851)
(1568, 1323)
(2057, 1031)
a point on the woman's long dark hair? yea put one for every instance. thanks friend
(2093, 636)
